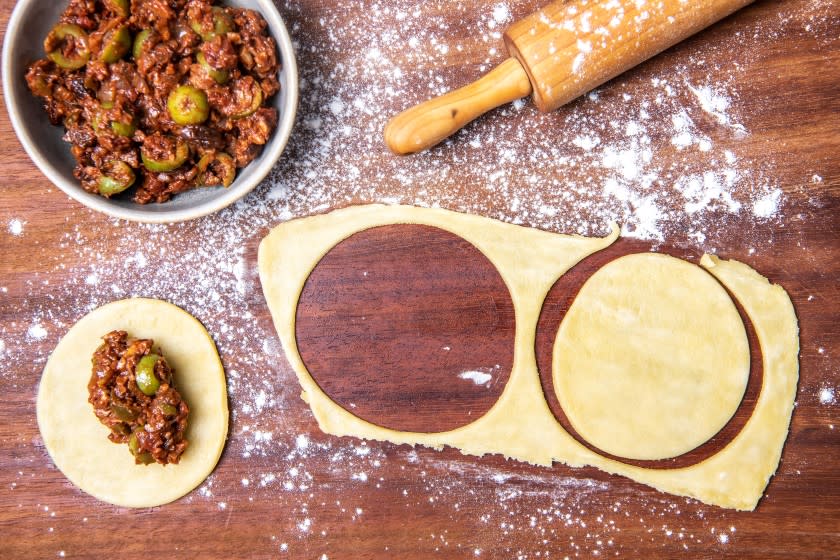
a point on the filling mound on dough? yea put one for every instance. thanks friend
(132, 393)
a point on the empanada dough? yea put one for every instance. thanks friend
(78, 443)
(520, 425)
(652, 358)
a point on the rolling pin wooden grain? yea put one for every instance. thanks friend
(557, 54)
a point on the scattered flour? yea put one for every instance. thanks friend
(16, 227)
(827, 395)
(477, 377)
(36, 332)
(767, 205)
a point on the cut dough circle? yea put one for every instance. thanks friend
(78, 443)
(652, 358)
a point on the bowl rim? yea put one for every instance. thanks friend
(273, 152)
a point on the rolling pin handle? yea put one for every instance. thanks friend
(431, 122)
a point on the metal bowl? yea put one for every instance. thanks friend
(28, 26)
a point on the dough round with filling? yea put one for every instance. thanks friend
(651, 359)
(78, 443)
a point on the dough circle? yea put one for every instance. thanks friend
(78, 443)
(652, 358)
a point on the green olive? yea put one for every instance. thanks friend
(219, 76)
(123, 413)
(67, 46)
(145, 458)
(115, 44)
(167, 409)
(249, 97)
(38, 84)
(222, 23)
(188, 105)
(134, 443)
(140, 41)
(123, 128)
(221, 166)
(119, 7)
(120, 128)
(179, 154)
(144, 374)
(121, 429)
(116, 177)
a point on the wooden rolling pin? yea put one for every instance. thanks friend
(557, 54)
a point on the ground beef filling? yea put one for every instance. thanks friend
(158, 96)
(132, 394)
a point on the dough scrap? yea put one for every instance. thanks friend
(78, 443)
(652, 358)
(520, 424)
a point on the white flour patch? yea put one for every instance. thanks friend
(827, 395)
(16, 227)
(501, 13)
(477, 377)
(767, 205)
(36, 332)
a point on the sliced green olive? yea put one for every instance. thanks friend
(145, 376)
(188, 105)
(119, 7)
(134, 443)
(123, 413)
(174, 161)
(120, 128)
(121, 429)
(140, 43)
(67, 46)
(220, 165)
(167, 409)
(222, 23)
(123, 128)
(38, 84)
(254, 93)
(145, 458)
(219, 76)
(116, 177)
(115, 44)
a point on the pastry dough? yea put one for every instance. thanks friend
(78, 443)
(520, 425)
(652, 358)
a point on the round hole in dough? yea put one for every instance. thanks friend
(78, 443)
(409, 327)
(652, 358)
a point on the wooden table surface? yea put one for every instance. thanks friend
(727, 143)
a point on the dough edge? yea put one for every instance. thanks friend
(520, 424)
(76, 440)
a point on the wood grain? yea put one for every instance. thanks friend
(422, 503)
(570, 48)
(391, 317)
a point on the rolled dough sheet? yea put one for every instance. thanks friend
(520, 425)
(652, 358)
(78, 443)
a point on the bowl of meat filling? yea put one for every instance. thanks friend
(151, 110)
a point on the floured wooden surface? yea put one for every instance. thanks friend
(750, 102)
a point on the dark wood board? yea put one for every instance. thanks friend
(284, 489)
